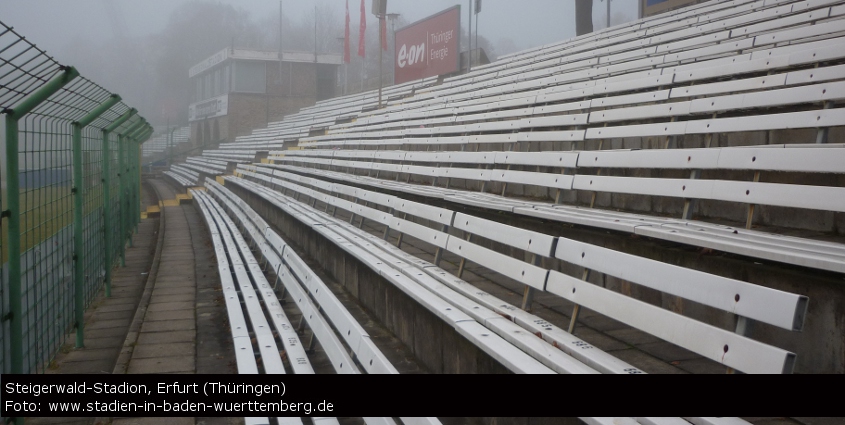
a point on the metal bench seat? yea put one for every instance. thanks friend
(211, 165)
(788, 315)
(398, 266)
(469, 328)
(293, 347)
(205, 160)
(179, 179)
(548, 355)
(773, 14)
(786, 158)
(224, 245)
(188, 174)
(411, 265)
(244, 268)
(201, 169)
(761, 99)
(321, 307)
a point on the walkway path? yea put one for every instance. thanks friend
(165, 315)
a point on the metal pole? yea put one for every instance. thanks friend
(13, 213)
(172, 143)
(121, 196)
(469, 38)
(608, 13)
(393, 55)
(77, 191)
(380, 52)
(136, 187)
(169, 145)
(107, 218)
(476, 30)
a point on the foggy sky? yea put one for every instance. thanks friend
(52, 23)
(155, 79)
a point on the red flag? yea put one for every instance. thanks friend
(362, 29)
(383, 33)
(346, 55)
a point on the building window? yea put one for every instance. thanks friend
(249, 77)
(198, 94)
(226, 79)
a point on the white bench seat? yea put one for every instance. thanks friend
(763, 302)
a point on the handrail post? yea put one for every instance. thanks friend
(77, 191)
(13, 213)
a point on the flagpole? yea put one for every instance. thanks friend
(469, 39)
(346, 53)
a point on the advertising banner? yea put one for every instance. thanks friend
(428, 47)
(210, 108)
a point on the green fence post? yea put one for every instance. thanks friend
(107, 218)
(141, 139)
(78, 264)
(13, 211)
(121, 198)
(135, 190)
(127, 182)
(123, 175)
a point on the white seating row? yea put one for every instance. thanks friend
(689, 284)
(575, 172)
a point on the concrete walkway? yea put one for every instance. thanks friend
(159, 312)
(166, 340)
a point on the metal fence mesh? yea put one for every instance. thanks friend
(41, 298)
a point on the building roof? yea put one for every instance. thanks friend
(263, 55)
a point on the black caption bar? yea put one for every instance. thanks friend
(405, 395)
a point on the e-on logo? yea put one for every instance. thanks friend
(416, 54)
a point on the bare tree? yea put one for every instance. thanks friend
(195, 31)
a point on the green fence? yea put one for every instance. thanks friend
(70, 199)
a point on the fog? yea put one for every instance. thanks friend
(142, 49)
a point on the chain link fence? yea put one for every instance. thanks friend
(70, 199)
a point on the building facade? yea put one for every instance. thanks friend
(237, 90)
